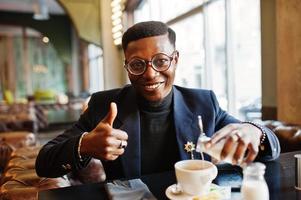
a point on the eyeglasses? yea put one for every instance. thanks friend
(159, 62)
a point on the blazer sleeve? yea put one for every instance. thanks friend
(271, 147)
(59, 156)
(271, 150)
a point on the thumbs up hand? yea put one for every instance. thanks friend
(105, 142)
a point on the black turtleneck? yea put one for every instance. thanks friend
(159, 149)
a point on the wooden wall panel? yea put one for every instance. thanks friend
(84, 59)
(11, 67)
(289, 60)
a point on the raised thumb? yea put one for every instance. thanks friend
(111, 115)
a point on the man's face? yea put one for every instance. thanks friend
(152, 85)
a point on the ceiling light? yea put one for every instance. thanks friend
(117, 7)
(117, 35)
(116, 15)
(117, 41)
(116, 22)
(115, 2)
(117, 28)
(45, 39)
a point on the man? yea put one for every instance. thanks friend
(144, 127)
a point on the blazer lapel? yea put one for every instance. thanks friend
(128, 120)
(186, 125)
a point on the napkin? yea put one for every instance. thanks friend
(133, 189)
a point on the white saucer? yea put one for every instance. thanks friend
(213, 194)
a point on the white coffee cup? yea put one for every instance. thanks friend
(195, 176)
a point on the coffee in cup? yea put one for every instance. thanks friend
(195, 176)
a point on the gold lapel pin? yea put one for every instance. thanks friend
(190, 147)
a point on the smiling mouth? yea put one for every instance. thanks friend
(152, 86)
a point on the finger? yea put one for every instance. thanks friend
(229, 145)
(111, 157)
(111, 153)
(119, 144)
(240, 152)
(119, 134)
(112, 144)
(114, 151)
(252, 153)
(111, 115)
(118, 152)
(223, 132)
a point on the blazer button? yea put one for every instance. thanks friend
(67, 167)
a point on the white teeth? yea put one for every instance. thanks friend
(152, 86)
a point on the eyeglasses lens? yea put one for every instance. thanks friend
(160, 62)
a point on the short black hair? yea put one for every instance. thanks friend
(147, 29)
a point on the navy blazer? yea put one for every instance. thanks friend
(59, 156)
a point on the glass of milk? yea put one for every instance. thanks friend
(254, 186)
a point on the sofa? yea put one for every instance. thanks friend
(289, 135)
(18, 178)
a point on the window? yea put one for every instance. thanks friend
(95, 68)
(245, 51)
(163, 10)
(215, 40)
(219, 45)
(191, 63)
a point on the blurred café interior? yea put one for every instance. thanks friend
(55, 53)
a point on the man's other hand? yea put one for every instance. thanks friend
(247, 138)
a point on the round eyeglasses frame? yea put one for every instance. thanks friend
(146, 62)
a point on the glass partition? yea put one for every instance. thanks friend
(219, 45)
